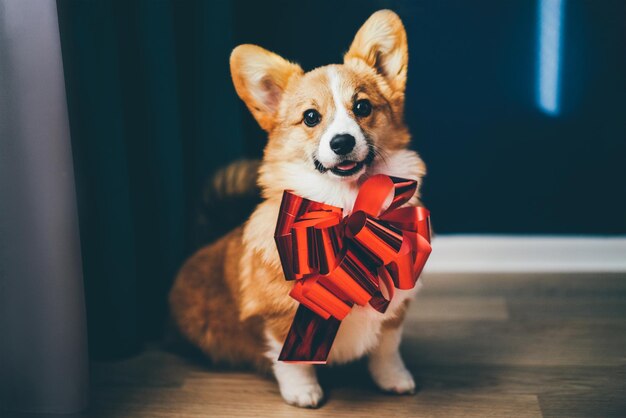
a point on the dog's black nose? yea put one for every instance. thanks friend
(342, 144)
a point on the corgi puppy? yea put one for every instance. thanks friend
(328, 129)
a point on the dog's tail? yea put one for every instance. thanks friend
(229, 196)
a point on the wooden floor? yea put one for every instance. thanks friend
(478, 345)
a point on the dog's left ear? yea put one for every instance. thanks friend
(381, 44)
(260, 78)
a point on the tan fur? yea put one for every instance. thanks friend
(261, 81)
(236, 179)
(205, 305)
(229, 291)
(397, 321)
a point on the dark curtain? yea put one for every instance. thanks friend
(153, 113)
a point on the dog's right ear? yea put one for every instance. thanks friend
(381, 44)
(260, 78)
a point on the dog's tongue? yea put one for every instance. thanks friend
(346, 165)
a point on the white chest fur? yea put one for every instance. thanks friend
(359, 332)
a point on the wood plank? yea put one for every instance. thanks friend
(572, 309)
(597, 404)
(263, 400)
(536, 343)
(609, 285)
(458, 308)
(478, 346)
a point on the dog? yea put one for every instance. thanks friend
(328, 129)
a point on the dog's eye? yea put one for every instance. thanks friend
(311, 117)
(362, 108)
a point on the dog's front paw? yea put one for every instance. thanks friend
(394, 378)
(302, 395)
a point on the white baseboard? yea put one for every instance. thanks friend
(489, 253)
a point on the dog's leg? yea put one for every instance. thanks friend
(386, 365)
(297, 382)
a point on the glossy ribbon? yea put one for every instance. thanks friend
(337, 262)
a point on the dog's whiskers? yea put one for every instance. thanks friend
(379, 152)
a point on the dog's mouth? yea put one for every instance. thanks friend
(346, 168)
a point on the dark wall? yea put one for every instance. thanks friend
(153, 113)
(497, 163)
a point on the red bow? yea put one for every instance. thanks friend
(338, 262)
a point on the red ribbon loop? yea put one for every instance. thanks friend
(339, 262)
